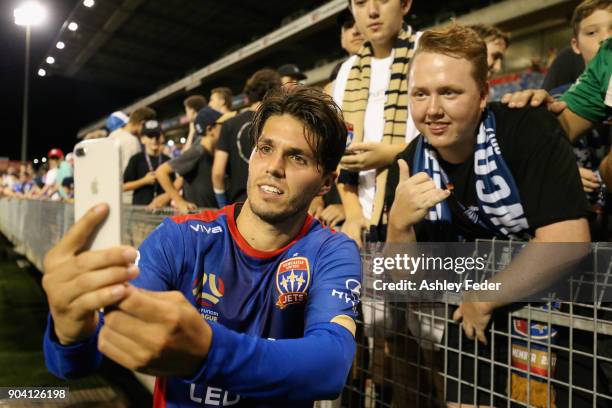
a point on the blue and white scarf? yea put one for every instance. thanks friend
(499, 205)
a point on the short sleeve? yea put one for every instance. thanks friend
(160, 258)
(588, 96)
(185, 163)
(130, 173)
(225, 138)
(545, 171)
(336, 286)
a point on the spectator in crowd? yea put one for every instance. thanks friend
(116, 120)
(193, 105)
(433, 193)
(592, 25)
(375, 104)
(300, 137)
(64, 169)
(54, 158)
(221, 100)
(290, 75)
(564, 70)
(9, 179)
(497, 43)
(235, 144)
(329, 209)
(68, 185)
(351, 41)
(195, 166)
(25, 184)
(139, 175)
(128, 137)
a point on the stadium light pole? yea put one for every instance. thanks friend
(29, 14)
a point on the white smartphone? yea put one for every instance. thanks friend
(98, 179)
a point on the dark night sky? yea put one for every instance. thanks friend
(58, 106)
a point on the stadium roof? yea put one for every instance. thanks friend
(143, 44)
(165, 48)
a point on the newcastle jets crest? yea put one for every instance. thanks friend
(292, 280)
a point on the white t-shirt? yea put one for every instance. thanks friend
(374, 120)
(51, 177)
(129, 146)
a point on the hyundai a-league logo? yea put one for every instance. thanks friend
(208, 289)
(292, 280)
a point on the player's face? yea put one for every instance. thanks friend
(283, 173)
(380, 20)
(446, 103)
(594, 30)
(496, 49)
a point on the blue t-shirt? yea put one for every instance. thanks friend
(255, 303)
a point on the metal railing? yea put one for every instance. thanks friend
(414, 354)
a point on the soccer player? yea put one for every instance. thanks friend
(251, 305)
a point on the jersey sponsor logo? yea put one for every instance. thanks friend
(216, 397)
(351, 294)
(292, 280)
(206, 229)
(208, 289)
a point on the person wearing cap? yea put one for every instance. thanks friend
(290, 75)
(55, 156)
(139, 175)
(68, 186)
(195, 165)
(116, 120)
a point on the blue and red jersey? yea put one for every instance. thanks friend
(273, 314)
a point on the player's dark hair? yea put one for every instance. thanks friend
(322, 119)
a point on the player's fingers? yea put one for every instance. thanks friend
(121, 350)
(98, 299)
(124, 324)
(94, 280)
(79, 234)
(146, 305)
(117, 256)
